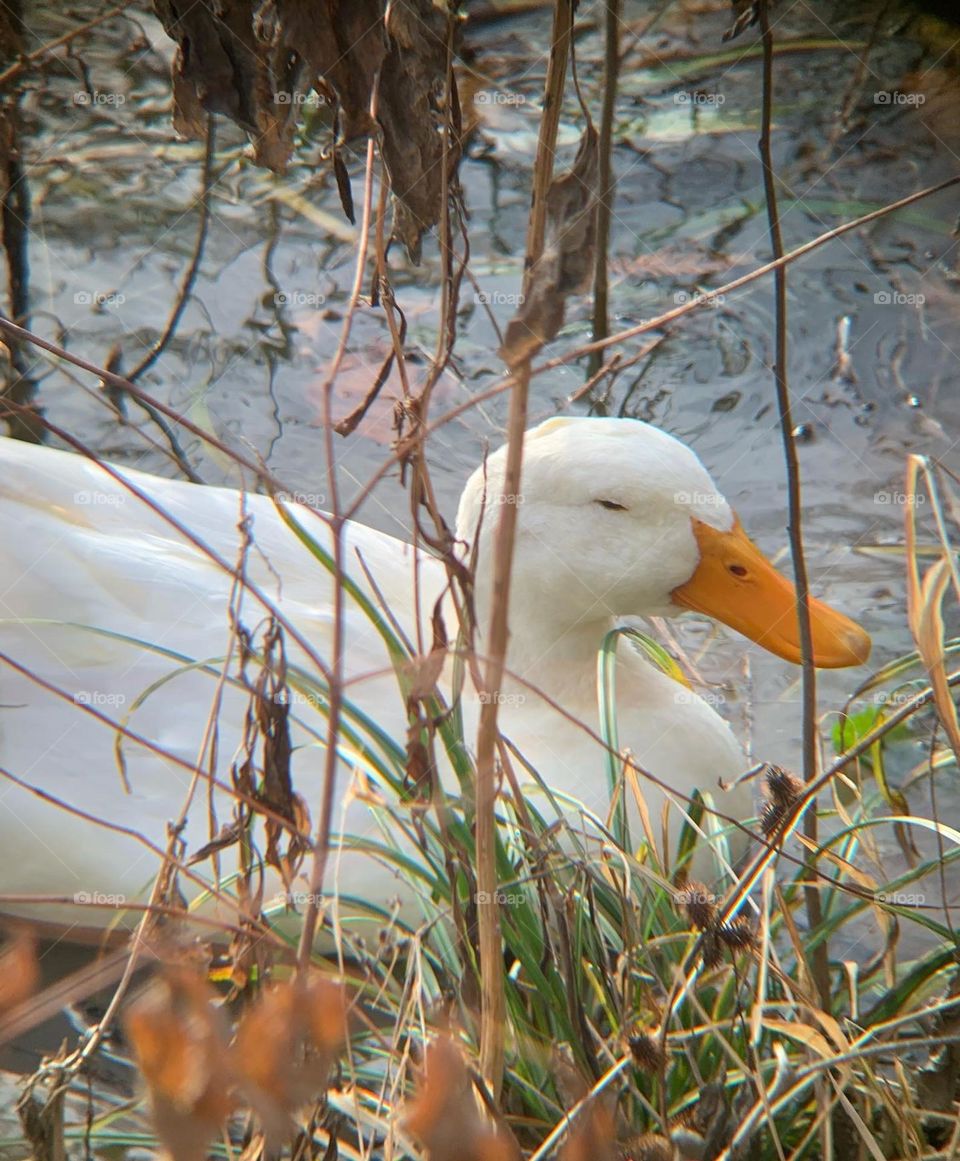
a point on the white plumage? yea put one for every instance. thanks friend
(105, 601)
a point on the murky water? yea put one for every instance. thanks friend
(114, 224)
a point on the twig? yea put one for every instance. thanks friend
(611, 73)
(821, 964)
(257, 469)
(337, 522)
(186, 292)
(27, 62)
(728, 288)
(491, 968)
(15, 208)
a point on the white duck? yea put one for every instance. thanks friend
(104, 603)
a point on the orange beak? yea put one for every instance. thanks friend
(736, 584)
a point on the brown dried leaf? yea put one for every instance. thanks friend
(445, 1116)
(286, 1045)
(267, 726)
(745, 13)
(925, 610)
(179, 1039)
(232, 59)
(414, 71)
(343, 186)
(593, 1137)
(19, 970)
(566, 265)
(226, 837)
(255, 61)
(424, 672)
(420, 769)
(11, 33)
(930, 642)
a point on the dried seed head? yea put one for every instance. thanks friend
(737, 935)
(783, 787)
(648, 1052)
(649, 1147)
(699, 904)
(771, 816)
(712, 949)
(782, 791)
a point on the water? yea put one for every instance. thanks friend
(114, 224)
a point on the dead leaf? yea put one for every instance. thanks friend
(19, 970)
(566, 265)
(802, 1034)
(286, 1046)
(423, 672)
(745, 13)
(445, 1116)
(593, 1137)
(256, 61)
(179, 1038)
(925, 612)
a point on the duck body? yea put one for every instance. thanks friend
(113, 611)
(118, 607)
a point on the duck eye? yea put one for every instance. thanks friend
(611, 505)
(737, 569)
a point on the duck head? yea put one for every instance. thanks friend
(617, 518)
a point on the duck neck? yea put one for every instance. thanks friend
(546, 651)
